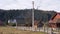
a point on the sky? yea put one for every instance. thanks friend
(27, 4)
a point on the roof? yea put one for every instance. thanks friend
(55, 18)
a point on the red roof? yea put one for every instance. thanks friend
(55, 18)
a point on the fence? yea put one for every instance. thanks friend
(41, 29)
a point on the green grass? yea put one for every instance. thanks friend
(9, 30)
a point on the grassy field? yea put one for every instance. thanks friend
(9, 30)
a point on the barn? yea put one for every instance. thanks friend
(55, 21)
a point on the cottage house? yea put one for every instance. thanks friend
(55, 21)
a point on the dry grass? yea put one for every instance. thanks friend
(9, 30)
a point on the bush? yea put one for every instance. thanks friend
(12, 24)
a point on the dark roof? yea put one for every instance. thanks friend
(53, 17)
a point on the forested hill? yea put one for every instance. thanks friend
(26, 13)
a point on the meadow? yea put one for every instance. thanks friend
(10, 30)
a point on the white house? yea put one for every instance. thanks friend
(12, 21)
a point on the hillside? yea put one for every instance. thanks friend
(5, 15)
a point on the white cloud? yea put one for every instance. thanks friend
(50, 5)
(22, 4)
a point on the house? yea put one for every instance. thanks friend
(55, 21)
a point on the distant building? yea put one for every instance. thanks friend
(12, 21)
(55, 21)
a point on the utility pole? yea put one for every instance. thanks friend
(33, 14)
(47, 24)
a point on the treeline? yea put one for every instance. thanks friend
(26, 13)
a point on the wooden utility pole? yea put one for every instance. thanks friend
(33, 14)
(47, 24)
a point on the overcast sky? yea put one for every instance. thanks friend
(27, 4)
